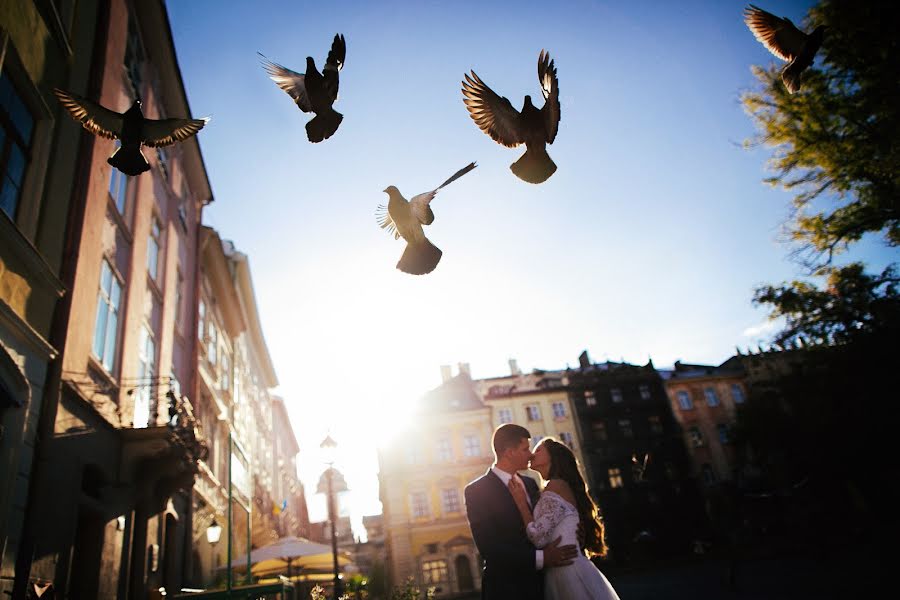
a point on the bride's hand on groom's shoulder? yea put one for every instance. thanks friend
(558, 556)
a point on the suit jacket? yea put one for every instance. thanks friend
(499, 533)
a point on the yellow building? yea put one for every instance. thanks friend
(422, 474)
(538, 401)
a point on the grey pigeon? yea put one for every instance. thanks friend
(535, 128)
(130, 128)
(405, 218)
(313, 91)
(784, 40)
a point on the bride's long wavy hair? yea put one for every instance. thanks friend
(564, 465)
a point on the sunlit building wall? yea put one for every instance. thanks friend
(704, 400)
(538, 401)
(422, 474)
(108, 506)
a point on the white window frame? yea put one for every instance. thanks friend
(108, 306)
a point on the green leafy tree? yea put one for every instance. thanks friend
(853, 303)
(835, 144)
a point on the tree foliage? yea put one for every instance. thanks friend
(853, 303)
(835, 143)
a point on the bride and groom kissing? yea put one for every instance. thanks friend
(533, 541)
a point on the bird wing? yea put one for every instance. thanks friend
(291, 82)
(333, 64)
(385, 221)
(493, 114)
(550, 89)
(777, 34)
(93, 117)
(420, 209)
(165, 132)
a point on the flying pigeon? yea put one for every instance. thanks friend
(130, 128)
(405, 219)
(785, 41)
(535, 128)
(314, 92)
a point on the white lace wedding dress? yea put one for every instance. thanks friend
(555, 517)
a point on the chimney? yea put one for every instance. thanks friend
(514, 367)
(584, 361)
(464, 368)
(446, 373)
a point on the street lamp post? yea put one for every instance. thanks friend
(328, 447)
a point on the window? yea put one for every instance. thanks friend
(163, 156)
(566, 438)
(615, 478)
(684, 400)
(505, 415)
(589, 398)
(645, 391)
(212, 342)
(625, 428)
(450, 500)
(655, 424)
(616, 395)
(179, 299)
(153, 250)
(118, 188)
(434, 571)
(723, 430)
(413, 457)
(418, 504)
(106, 325)
(695, 436)
(471, 446)
(737, 393)
(134, 57)
(533, 412)
(225, 375)
(146, 374)
(444, 450)
(599, 430)
(712, 398)
(559, 410)
(709, 476)
(201, 320)
(16, 127)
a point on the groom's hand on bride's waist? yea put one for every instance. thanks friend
(558, 556)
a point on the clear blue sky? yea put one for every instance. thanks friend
(647, 242)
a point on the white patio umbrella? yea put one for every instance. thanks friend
(290, 553)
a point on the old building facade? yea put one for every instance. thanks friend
(422, 474)
(108, 507)
(637, 467)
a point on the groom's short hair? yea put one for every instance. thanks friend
(508, 436)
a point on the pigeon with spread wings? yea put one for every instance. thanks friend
(405, 219)
(313, 91)
(784, 40)
(130, 128)
(535, 128)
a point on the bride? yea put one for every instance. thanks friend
(563, 503)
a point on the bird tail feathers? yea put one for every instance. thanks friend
(130, 161)
(323, 125)
(535, 166)
(457, 175)
(790, 75)
(419, 258)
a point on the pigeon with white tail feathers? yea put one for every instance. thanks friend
(405, 219)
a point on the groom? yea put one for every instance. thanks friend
(512, 565)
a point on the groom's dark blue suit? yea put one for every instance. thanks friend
(499, 532)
